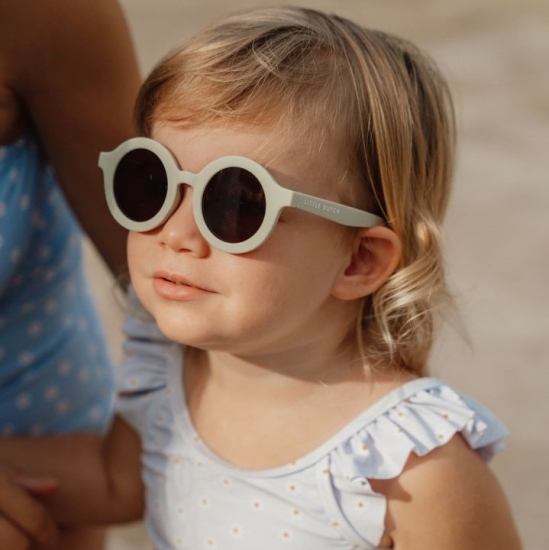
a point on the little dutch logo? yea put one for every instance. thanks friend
(320, 206)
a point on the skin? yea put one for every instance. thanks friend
(260, 371)
(67, 69)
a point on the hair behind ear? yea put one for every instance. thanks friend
(397, 325)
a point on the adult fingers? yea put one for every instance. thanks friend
(38, 486)
(20, 512)
(12, 537)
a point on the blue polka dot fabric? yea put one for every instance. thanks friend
(55, 373)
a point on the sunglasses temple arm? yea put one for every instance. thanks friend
(339, 213)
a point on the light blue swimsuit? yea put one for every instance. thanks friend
(322, 501)
(55, 374)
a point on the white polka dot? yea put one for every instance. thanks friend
(49, 275)
(26, 358)
(3, 209)
(15, 254)
(95, 414)
(14, 174)
(3, 153)
(1, 241)
(64, 367)
(50, 306)
(62, 407)
(35, 328)
(51, 393)
(24, 202)
(23, 401)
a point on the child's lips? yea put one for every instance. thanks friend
(176, 287)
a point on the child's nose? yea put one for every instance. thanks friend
(180, 232)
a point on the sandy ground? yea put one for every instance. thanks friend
(496, 56)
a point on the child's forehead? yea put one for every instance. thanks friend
(264, 142)
(283, 152)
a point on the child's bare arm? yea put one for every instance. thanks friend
(99, 477)
(448, 499)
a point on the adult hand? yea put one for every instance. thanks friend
(24, 521)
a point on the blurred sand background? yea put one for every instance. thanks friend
(495, 54)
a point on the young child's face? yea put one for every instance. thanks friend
(273, 298)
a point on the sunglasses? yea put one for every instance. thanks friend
(236, 201)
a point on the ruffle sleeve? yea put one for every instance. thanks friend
(421, 421)
(142, 376)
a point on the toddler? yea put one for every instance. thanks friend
(284, 203)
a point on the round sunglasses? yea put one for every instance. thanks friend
(236, 201)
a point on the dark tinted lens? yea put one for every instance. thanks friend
(140, 185)
(233, 205)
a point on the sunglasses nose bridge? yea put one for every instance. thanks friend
(186, 178)
(183, 178)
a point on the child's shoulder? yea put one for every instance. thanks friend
(432, 443)
(422, 446)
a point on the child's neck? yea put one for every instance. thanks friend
(283, 376)
(265, 412)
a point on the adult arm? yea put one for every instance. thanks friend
(448, 499)
(72, 67)
(99, 478)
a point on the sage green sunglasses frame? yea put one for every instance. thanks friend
(276, 196)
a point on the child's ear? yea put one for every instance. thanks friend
(375, 254)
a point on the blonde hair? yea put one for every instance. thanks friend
(380, 100)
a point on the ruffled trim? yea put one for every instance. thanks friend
(420, 423)
(141, 379)
(147, 352)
